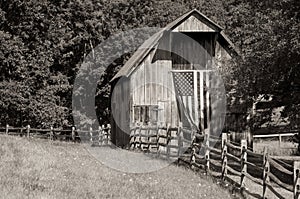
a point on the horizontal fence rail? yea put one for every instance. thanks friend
(275, 135)
(279, 136)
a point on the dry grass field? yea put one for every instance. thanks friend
(286, 148)
(41, 169)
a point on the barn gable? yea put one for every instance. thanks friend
(193, 21)
(194, 24)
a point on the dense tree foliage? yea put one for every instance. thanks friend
(43, 44)
(268, 34)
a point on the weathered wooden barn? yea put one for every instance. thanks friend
(166, 83)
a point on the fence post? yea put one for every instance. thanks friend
(266, 166)
(28, 130)
(157, 138)
(91, 135)
(224, 156)
(179, 140)
(296, 179)
(73, 133)
(6, 129)
(21, 132)
(136, 137)
(280, 140)
(168, 142)
(193, 158)
(51, 133)
(107, 132)
(100, 135)
(206, 145)
(243, 160)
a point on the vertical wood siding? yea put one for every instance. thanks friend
(192, 24)
(151, 82)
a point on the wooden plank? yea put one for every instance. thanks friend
(141, 85)
(147, 74)
(201, 102)
(275, 135)
(280, 168)
(134, 97)
(234, 172)
(281, 184)
(192, 70)
(207, 102)
(169, 89)
(196, 108)
(256, 180)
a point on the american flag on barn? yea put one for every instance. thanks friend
(191, 88)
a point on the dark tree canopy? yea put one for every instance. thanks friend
(43, 44)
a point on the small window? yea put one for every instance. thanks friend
(145, 114)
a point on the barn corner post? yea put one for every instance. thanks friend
(243, 162)
(296, 183)
(266, 170)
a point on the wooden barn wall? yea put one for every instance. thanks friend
(121, 114)
(193, 24)
(222, 57)
(192, 51)
(151, 84)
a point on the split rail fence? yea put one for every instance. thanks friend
(99, 136)
(221, 157)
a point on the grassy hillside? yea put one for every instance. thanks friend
(40, 169)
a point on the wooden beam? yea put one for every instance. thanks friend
(196, 108)
(207, 102)
(201, 102)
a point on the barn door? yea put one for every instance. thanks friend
(191, 89)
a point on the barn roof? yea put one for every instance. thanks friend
(150, 43)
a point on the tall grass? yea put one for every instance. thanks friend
(41, 169)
